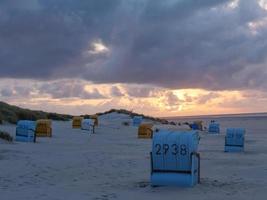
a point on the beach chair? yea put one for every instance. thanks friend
(25, 131)
(77, 122)
(197, 125)
(214, 127)
(95, 118)
(175, 160)
(234, 140)
(137, 120)
(88, 125)
(145, 131)
(44, 128)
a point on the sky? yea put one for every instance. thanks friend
(161, 58)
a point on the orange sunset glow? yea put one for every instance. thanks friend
(154, 101)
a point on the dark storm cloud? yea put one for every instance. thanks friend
(47, 40)
(174, 43)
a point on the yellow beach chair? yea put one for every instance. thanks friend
(77, 122)
(43, 128)
(145, 131)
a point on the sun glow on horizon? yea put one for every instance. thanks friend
(83, 97)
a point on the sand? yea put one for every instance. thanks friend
(114, 164)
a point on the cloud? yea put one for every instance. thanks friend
(175, 44)
(208, 97)
(80, 97)
(49, 42)
(116, 92)
(10, 90)
(172, 102)
(69, 89)
(139, 91)
(98, 48)
(6, 92)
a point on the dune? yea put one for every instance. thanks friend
(115, 164)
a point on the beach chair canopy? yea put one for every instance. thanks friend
(172, 149)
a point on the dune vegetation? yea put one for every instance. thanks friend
(12, 114)
(6, 136)
(131, 114)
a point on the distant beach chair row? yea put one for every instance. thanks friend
(175, 160)
(27, 131)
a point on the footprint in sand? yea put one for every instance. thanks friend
(143, 184)
(106, 196)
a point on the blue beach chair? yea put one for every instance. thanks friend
(214, 127)
(137, 120)
(234, 140)
(25, 131)
(174, 158)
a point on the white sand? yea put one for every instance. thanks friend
(114, 164)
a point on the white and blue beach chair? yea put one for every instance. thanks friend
(175, 160)
(25, 131)
(214, 127)
(234, 140)
(137, 120)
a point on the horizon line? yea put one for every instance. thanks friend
(214, 115)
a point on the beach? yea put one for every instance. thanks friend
(114, 164)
